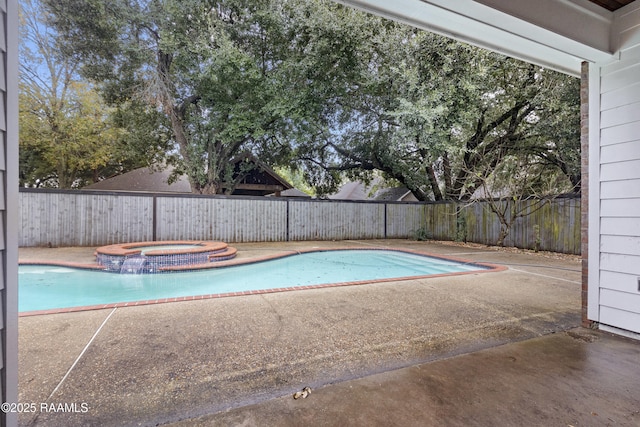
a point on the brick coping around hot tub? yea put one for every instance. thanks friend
(127, 249)
(487, 268)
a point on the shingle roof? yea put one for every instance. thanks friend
(392, 194)
(144, 179)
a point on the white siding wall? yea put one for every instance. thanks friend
(8, 206)
(3, 196)
(619, 184)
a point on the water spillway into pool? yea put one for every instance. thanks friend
(158, 257)
(45, 287)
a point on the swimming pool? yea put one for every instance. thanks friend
(46, 287)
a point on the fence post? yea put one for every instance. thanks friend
(385, 221)
(154, 219)
(287, 215)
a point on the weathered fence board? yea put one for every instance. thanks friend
(441, 221)
(229, 220)
(553, 226)
(405, 220)
(84, 218)
(331, 220)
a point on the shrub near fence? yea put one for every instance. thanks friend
(93, 218)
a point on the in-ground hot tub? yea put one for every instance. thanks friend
(161, 256)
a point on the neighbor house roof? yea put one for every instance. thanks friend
(293, 192)
(358, 190)
(259, 180)
(144, 179)
(396, 194)
(353, 190)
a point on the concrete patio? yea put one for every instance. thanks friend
(499, 348)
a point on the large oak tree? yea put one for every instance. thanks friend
(439, 116)
(323, 88)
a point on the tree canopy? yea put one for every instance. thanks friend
(212, 69)
(68, 135)
(320, 87)
(439, 116)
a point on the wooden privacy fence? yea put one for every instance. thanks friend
(93, 218)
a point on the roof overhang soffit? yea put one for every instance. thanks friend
(557, 34)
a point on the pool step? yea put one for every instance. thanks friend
(228, 253)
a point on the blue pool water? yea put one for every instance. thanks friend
(45, 287)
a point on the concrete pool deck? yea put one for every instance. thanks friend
(498, 348)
